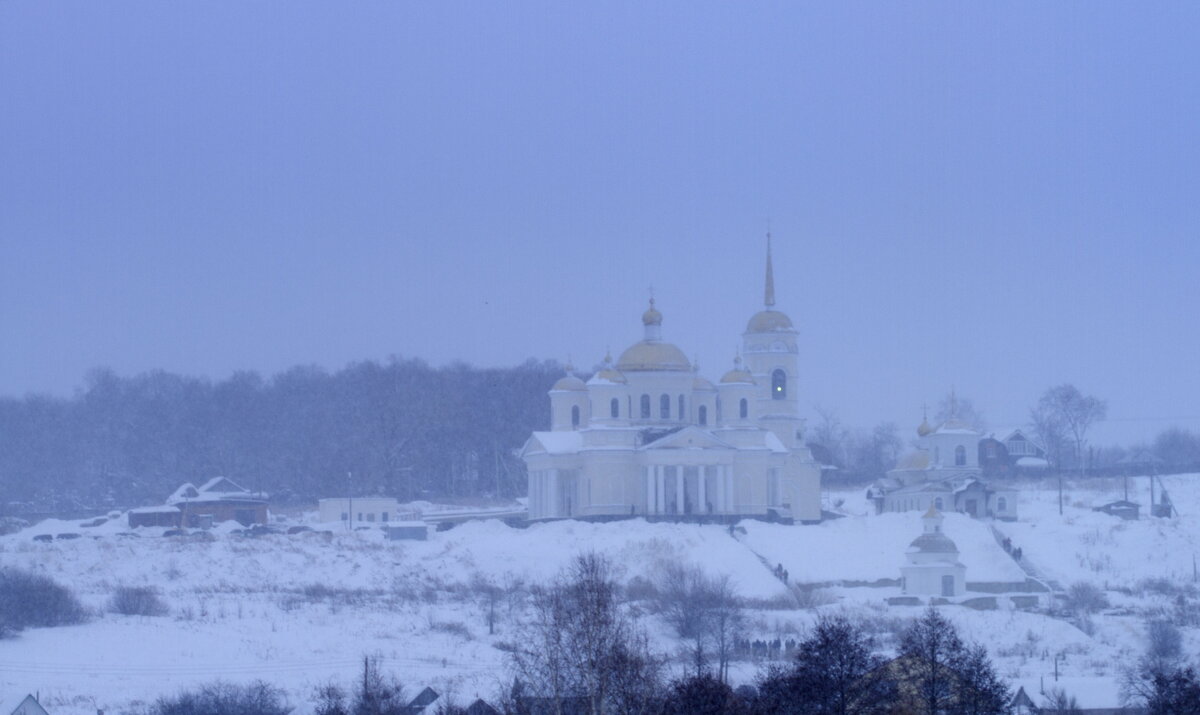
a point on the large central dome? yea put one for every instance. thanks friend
(653, 355)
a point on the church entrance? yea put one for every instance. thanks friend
(948, 586)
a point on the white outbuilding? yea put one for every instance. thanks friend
(933, 568)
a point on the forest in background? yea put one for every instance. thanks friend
(398, 428)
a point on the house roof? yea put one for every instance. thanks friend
(10, 705)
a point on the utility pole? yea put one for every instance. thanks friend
(1060, 493)
(349, 502)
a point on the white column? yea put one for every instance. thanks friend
(552, 493)
(678, 490)
(730, 505)
(648, 474)
(659, 487)
(701, 487)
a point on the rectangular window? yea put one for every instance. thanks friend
(345, 516)
(360, 516)
(384, 516)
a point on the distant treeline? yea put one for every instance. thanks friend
(402, 428)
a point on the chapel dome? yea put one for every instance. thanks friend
(933, 543)
(769, 321)
(570, 382)
(924, 429)
(652, 355)
(607, 374)
(738, 374)
(702, 384)
(914, 460)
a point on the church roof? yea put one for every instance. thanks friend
(935, 543)
(914, 460)
(955, 426)
(769, 321)
(569, 382)
(702, 383)
(653, 355)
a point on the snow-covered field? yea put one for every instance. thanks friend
(299, 610)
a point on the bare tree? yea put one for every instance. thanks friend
(954, 407)
(1066, 411)
(582, 645)
(704, 611)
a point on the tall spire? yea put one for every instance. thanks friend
(769, 297)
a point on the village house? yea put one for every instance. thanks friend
(21, 705)
(219, 499)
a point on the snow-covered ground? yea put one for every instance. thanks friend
(299, 610)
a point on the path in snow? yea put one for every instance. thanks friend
(1026, 565)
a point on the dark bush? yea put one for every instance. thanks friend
(137, 601)
(220, 698)
(32, 600)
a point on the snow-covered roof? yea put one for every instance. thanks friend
(155, 510)
(215, 489)
(1032, 462)
(560, 442)
(10, 705)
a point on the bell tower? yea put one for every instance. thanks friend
(771, 354)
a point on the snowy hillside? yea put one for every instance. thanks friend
(298, 610)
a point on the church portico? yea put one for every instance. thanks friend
(647, 435)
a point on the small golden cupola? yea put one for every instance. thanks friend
(924, 429)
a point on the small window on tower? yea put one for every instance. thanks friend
(645, 407)
(682, 412)
(778, 384)
(960, 456)
(614, 408)
(575, 416)
(743, 409)
(664, 407)
(702, 415)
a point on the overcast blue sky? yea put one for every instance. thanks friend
(1001, 197)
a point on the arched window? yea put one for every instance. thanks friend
(664, 407)
(614, 408)
(960, 456)
(937, 503)
(645, 407)
(743, 409)
(682, 412)
(575, 416)
(1001, 504)
(702, 415)
(778, 384)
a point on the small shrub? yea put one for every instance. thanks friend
(137, 601)
(454, 628)
(1085, 598)
(221, 698)
(32, 600)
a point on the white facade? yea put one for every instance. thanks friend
(943, 472)
(649, 436)
(368, 510)
(932, 567)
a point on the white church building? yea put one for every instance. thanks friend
(649, 436)
(932, 567)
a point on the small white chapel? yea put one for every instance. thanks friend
(649, 436)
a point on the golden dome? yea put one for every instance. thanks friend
(652, 316)
(769, 321)
(701, 383)
(570, 382)
(738, 374)
(914, 460)
(924, 429)
(653, 355)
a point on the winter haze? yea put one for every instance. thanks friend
(1000, 200)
